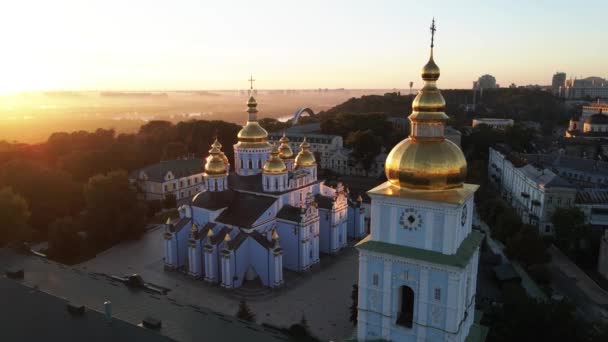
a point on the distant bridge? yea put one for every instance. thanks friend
(298, 114)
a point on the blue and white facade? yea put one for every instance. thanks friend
(414, 258)
(272, 213)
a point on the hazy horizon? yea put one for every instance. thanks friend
(153, 45)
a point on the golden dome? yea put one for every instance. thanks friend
(285, 151)
(426, 160)
(252, 134)
(430, 165)
(430, 71)
(274, 164)
(305, 157)
(216, 162)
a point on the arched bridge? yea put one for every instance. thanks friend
(298, 114)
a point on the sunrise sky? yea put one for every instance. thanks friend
(148, 45)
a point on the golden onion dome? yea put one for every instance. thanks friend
(216, 163)
(274, 164)
(426, 160)
(285, 151)
(305, 157)
(252, 134)
(430, 165)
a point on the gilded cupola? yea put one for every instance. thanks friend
(285, 151)
(216, 163)
(305, 157)
(252, 134)
(274, 164)
(426, 160)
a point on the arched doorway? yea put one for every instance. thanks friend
(405, 317)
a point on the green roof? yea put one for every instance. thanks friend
(464, 253)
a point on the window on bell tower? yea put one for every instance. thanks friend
(437, 294)
(375, 279)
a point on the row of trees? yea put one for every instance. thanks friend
(74, 190)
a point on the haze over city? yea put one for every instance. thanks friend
(159, 45)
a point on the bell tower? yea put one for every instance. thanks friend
(418, 267)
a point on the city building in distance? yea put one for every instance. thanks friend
(493, 122)
(485, 82)
(536, 184)
(590, 87)
(418, 267)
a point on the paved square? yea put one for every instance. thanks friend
(323, 297)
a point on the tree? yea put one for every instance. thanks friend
(525, 319)
(174, 150)
(354, 296)
(245, 312)
(506, 225)
(527, 247)
(112, 212)
(14, 214)
(274, 125)
(568, 224)
(366, 146)
(65, 244)
(49, 193)
(169, 201)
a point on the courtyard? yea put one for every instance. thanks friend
(321, 295)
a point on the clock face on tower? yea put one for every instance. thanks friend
(410, 219)
(463, 216)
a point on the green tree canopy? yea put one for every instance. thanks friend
(65, 244)
(366, 146)
(49, 193)
(527, 247)
(112, 211)
(14, 214)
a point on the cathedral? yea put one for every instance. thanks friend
(418, 267)
(269, 214)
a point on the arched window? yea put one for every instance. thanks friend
(259, 164)
(250, 164)
(405, 317)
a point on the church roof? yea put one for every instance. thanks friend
(290, 213)
(238, 240)
(245, 209)
(179, 168)
(179, 225)
(461, 259)
(213, 200)
(262, 240)
(219, 236)
(324, 202)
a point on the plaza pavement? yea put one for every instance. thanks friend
(323, 296)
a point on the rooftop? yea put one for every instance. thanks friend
(179, 168)
(33, 315)
(43, 308)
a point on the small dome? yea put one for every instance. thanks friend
(430, 165)
(597, 119)
(252, 134)
(274, 164)
(305, 157)
(216, 162)
(430, 72)
(285, 151)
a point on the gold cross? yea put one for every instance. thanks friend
(251, 80)
(433, 29)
